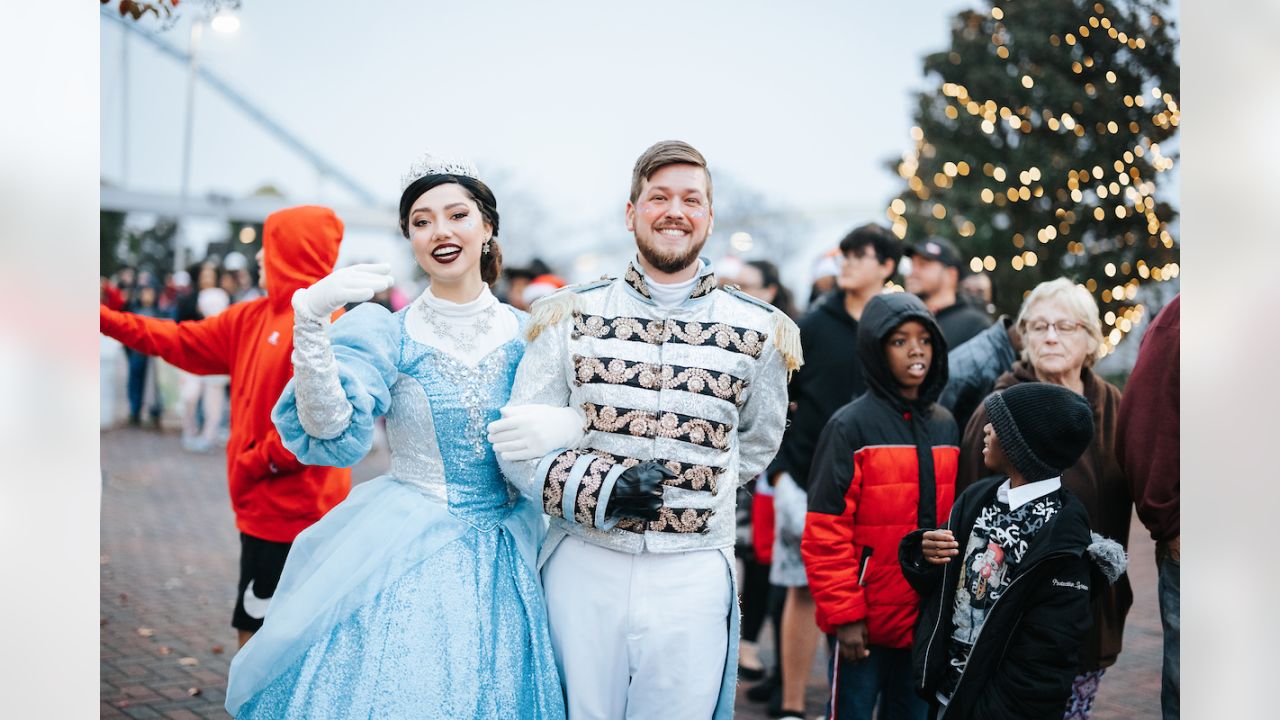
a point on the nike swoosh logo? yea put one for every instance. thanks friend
(254, 606)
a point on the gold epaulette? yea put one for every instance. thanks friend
(549, 310)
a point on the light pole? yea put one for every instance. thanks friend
(124, 109)
(224, 23)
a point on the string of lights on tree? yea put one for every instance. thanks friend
(1040, 151)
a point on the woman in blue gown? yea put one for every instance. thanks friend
(417, 596)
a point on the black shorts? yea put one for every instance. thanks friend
(260, 564)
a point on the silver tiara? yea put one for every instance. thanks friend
(430, 164)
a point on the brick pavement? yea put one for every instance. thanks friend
(169, 565)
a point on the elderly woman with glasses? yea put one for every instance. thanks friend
(1061, 335)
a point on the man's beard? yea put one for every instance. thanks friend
(669, 263)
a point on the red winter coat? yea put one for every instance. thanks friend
(884, 466)
(274, 496)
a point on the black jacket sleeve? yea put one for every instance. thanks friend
(922, 576)
(796, 451)
(1033, 679)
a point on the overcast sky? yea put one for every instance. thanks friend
(803, 102)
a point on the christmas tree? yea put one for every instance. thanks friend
(1040, 150)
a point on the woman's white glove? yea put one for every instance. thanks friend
(323, 408)
(528, 432)
(354, 283)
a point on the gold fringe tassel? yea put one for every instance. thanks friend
(550, 310)
(786, 337)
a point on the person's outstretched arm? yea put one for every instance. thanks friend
(202, 347)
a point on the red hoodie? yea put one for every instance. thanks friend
(274, 496)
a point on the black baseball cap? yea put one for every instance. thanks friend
(936, 248)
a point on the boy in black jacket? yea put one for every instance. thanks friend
(1000, 629)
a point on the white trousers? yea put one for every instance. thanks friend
(638, 636)
(213, 390)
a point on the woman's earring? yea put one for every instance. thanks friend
(485, 249)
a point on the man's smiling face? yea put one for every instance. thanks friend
(672, 217)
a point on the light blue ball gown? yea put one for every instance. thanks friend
(417, 596)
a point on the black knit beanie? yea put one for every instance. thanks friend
(1043, 428)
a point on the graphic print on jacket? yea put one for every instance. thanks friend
(884, 466)
(991, 559)
(1024, 658)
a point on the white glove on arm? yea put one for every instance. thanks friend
(528, 432)
(323, 409)
(354, 283)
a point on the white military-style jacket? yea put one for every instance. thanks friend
(701, 387)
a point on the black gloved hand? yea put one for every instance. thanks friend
(638, 492)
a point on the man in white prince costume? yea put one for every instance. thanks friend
(641, 404)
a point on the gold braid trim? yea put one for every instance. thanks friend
(671, 520)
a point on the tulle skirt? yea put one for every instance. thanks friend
(390, 607)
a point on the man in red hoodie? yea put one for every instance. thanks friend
(274, 496)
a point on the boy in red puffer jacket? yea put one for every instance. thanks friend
(884, 466)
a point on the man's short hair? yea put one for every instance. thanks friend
(886, 246)
(662, 154)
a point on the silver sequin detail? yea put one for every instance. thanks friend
(474, 389)
(411, 434)
(323, 408)
(463, 338)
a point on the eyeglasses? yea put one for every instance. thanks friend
(1062, 327)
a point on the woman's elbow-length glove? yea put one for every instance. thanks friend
(637, 493)
(323, 408)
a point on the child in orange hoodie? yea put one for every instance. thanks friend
(274, 496)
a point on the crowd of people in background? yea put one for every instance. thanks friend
(793, 515)
(201, 291)
(209, 286)
(1053, 340)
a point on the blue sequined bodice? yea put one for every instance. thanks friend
(437, 427)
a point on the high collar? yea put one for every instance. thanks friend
(705, 281)
(482, 302)
(1016, 497)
